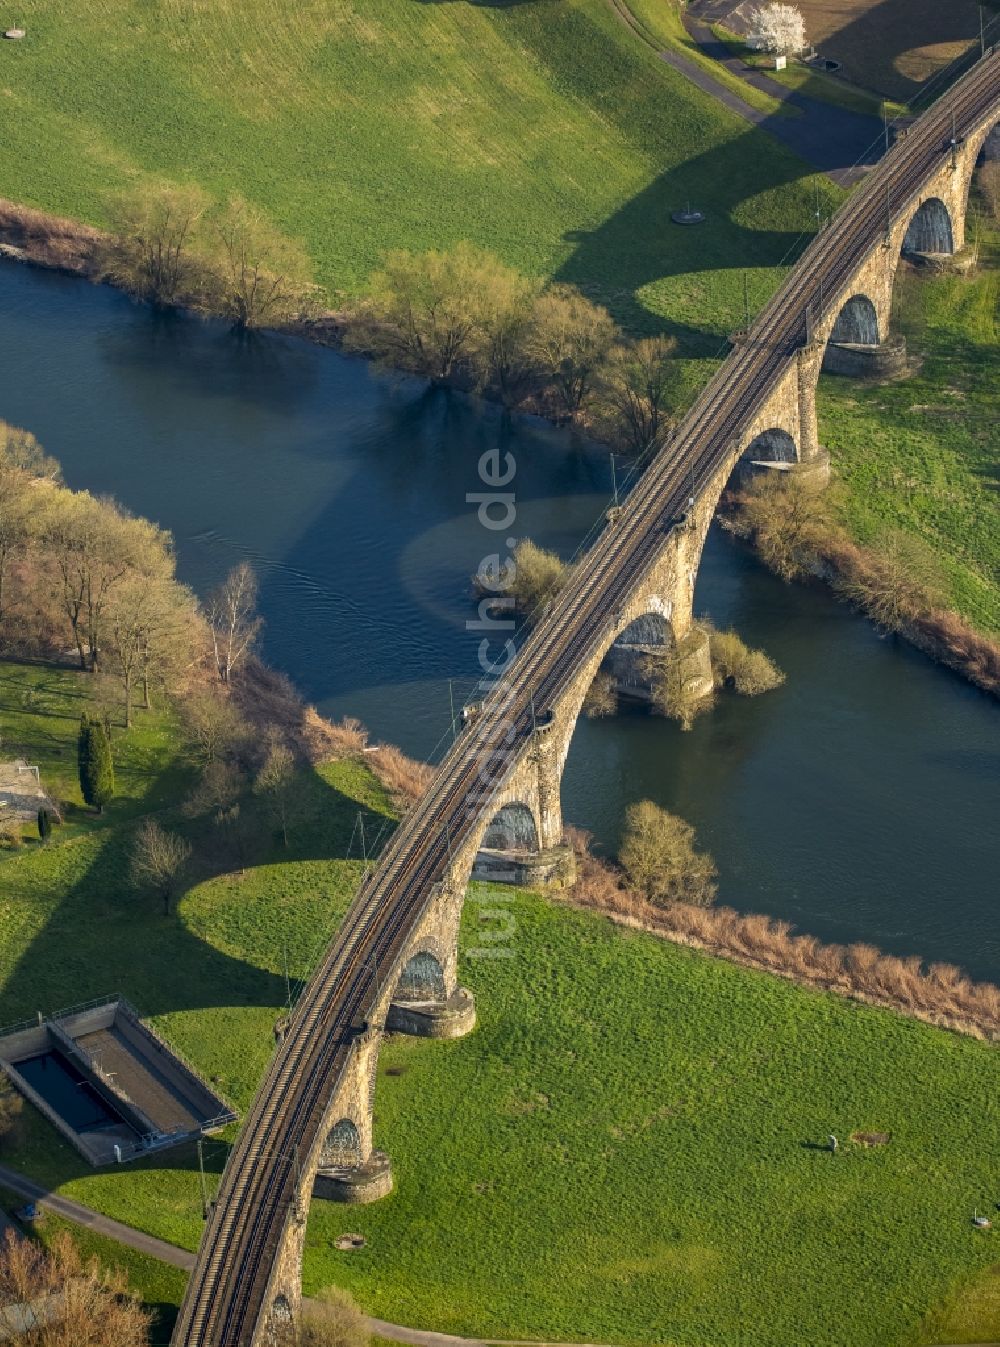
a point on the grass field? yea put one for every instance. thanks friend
(545, 131)
(922, 455)
(628, 1149)
(891, 46)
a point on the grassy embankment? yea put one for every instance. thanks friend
(921, 455)
(547, 132)
(806, 80)
(627, 1149)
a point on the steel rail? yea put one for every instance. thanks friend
(260, 1186)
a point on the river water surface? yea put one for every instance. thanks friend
(861, 800)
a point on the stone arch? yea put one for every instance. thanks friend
(627, 656)
(771, 446)
(857, 323)
(930, 230)
(422, 979)
(342, 1147)
(512, 828)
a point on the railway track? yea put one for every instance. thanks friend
(260, 1187)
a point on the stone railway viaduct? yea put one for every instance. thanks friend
(395, 963)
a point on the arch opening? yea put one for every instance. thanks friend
(512, 829)
(342, 1148)
(857, 323)
(421, 980)
(281, 1323)
(626, 661)
(930, 229)
(771, 446)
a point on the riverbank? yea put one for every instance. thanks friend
(945, 635)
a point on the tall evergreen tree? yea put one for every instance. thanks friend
(97, 769)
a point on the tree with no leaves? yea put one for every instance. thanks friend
(149, 252)
(658, 854)
(276, 783)
(637, 389)
(232, 618)
(213, 727)
(158, 861)
(260, 278)
(989, 185)
(570, 339)
(429, 312)
(779, 28)
(84, 1306)
(898, 582)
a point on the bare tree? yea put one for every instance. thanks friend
(637, 388)
(213, 726)
(276, 784)
(658, 854)
(779, 28)
(16, 522)
(158, 860)
(149, 252)
(79, 1304)
(262, 277)
(570, 339)
(989, 185)
(900, 581)
(232, 618)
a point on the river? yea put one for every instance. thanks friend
(860, 800)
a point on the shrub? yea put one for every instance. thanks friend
(736, 664)
(539, 575)
(658, 854)
(333, 1319)
(84, 1304)
(11, 1116)
(895, 583)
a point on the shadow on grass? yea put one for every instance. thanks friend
(103, 936)
(740, 192)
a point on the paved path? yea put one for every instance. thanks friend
(183, 1258)
(839, 143)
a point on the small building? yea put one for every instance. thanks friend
(21, 793)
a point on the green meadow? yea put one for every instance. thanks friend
(547, 132)
(630, 1147)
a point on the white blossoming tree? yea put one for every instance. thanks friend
(778, 28)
